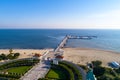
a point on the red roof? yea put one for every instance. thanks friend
(59, 56)
(37, 55)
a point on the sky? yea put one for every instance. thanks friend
(63, 14)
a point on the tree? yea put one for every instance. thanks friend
(117, 70)
(96, 63)
(10, 56)
(105, 77)
(117, 78)
(3, 57)
(11, 50)
(16, 55)
(98, 71)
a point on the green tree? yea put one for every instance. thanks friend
(117, 78)
(16, 55)
(117, 70)
(105, 77)
(96, 63)
(10, 56)
(99, 71)
(11, 50)
(3, 57)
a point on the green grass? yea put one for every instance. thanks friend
(56, 74)
(20, 70)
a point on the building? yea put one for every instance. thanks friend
(59, 57)
(37, 55)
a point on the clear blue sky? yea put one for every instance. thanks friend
(59, 13)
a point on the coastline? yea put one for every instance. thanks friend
(86, 55)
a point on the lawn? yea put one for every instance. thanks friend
(56, 74)
(19, 70)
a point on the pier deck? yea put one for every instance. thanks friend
(64, 41)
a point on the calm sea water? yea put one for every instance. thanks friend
(40, 38)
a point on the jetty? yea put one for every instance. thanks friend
(64, 41)
(82, 37)
(62, 44)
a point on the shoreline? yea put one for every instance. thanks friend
(64, 47)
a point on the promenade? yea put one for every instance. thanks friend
(38, 71)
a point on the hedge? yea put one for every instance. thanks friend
(27, 62)
(70, 73)
(75, 70)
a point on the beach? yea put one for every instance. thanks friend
(25, 53)
(84, 55)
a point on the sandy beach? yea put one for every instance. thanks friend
(76, 55)
(82, 55)
(25, 53)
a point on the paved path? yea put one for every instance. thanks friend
(38, 71)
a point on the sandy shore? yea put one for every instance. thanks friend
(25, 53)
(82, 55)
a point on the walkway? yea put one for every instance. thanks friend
(38, 71)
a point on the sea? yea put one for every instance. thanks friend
(107, 39)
